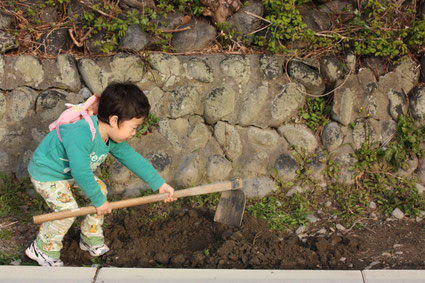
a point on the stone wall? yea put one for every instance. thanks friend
(221, 115)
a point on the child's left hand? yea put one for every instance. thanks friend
(165, 188)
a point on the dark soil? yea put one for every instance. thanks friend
(189, 238)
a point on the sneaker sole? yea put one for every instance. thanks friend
(84, 248)
(29, 254)
(34, 257)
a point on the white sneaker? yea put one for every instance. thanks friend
(34, 253)
(97, 250)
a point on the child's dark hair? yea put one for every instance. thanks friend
(125, 100)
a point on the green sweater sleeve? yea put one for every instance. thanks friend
(78, 145)
(137, 164)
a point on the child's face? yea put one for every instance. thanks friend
(125, 130)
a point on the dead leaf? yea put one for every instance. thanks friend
(185, 20)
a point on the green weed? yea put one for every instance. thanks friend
(148, 125)
(351, 203)
(315, 113)
(13, 198)
(207, 201)
(407, 143)
(5, 235)
(6, 257)
(279, 211)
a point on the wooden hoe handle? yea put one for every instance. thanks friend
(194, 191)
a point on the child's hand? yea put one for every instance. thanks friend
(165, 188)
(103, 209)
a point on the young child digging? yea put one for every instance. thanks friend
(58, 164)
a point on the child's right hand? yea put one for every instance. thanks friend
(165, 188)
(103, 209)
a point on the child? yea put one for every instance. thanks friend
(57, 165)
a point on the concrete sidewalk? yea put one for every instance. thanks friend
(23, 274)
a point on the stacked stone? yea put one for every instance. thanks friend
(221, 116)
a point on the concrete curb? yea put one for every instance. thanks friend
(23, 274)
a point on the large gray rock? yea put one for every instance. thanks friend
(165, 64)
(258, 187)
(98, 73)
(255, 164)
(229, 139)
(307, 76)
(56, 41)
(358, 96)
(22, 101)
(403, 78)
(159, 160)
(135, 38)
(29, 71)
(286, 104)
(50, 104)
(65, 73)
(417, 104)
(6, 21)
(263, 137)
(388, 131)
(169, 135)
(218, 168)
(244, 23)
(199, 134)
(317, 165)
(364, 132)
(299, 136)
(186, 101)
(199, 69)
(286, 167)
(219, 103)
(332, 136)
(252, 105)
(342, 107)
(236, 67)
(316, 20)
(269, 66)
(398, 103)
(7, 42)
(188, 173)
(199, 36)
(140, 4)
(169, 21)
(331, 69)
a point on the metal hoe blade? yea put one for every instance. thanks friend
(230, 208)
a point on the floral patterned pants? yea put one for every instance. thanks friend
(58, 196)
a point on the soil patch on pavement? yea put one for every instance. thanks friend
(189, 238)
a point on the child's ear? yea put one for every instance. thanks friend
(113, 121)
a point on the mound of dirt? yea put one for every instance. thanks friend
(189, 238)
